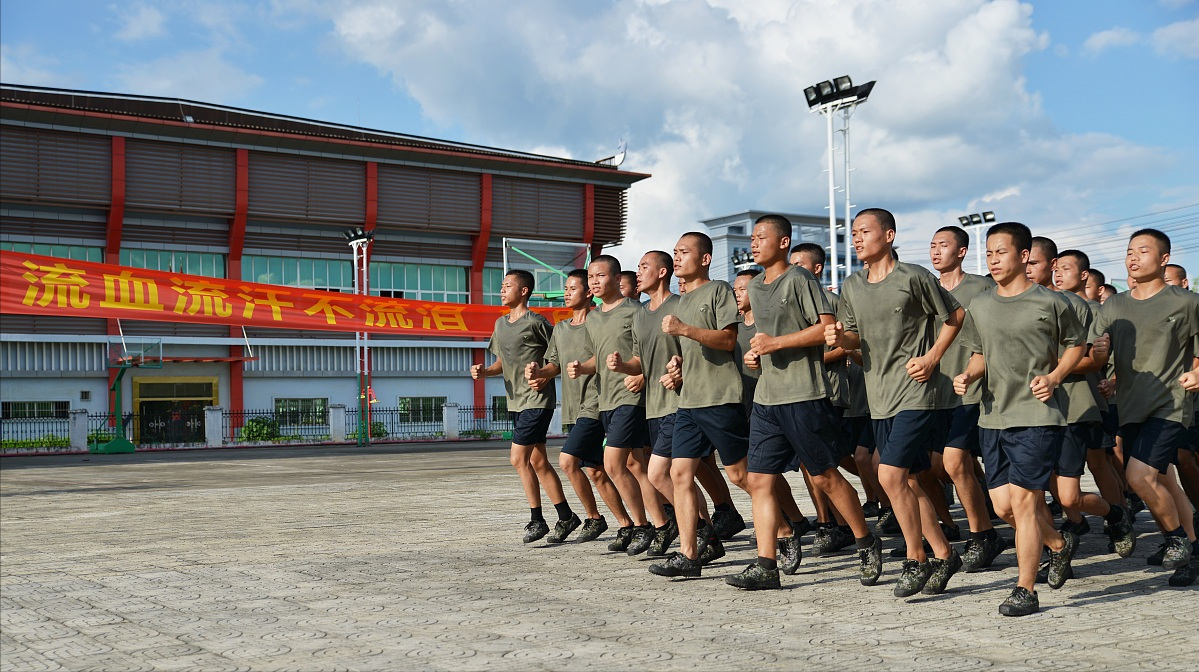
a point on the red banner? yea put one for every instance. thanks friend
(35, 285)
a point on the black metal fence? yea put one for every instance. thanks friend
(22, 433)
(396, 424)
(483, 421)
(272, 427)
(149, 429)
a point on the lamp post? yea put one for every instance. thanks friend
(977, 220)
(359, 240)
(827, 98)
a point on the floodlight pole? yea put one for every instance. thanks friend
(832, 200)
(358, 243)
(848, 205)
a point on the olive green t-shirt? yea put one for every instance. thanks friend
(897, 318)
(837, 372)
(516, 344)
(1094, 378)
(710, 376)
(1153, 344)
(954, 362)
(569, 343)
(1019, 337)
(749, 377)
(793, 302)
(655, 348)
(612, 331)
(859, 405)
(1079, 404)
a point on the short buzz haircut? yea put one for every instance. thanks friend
(1110, 289)
(579, 274)
(1019, 233)
(884, 217)
(1047, 246)
(1163, 241)
(960, 237)
(703, 241)
(1100, 278)
(664, 260)
(523, 278)
(1084, 262)
(612, 262)
(751, 272)
(780, 224)
(630, 276)
(1179, 268)
(814, 251)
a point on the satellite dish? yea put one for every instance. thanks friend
(620, 152)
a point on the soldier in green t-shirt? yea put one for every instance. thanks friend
(520, 337)
(1154, 328)
(1014, 333)
(903, 322)
(959, 456)
(1083, 442)
(793, 418)
(582, 455)
(710, 415)
(622, 409)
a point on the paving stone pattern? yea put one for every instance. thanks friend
(410, 558)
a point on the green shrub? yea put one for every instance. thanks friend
(43, 441)
(260, 428)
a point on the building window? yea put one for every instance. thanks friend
(74, 252)
(323, 274)
(192, 263)
(302, 411)
(22, 410)
(499, 409)
(421, 409)
(419, 282)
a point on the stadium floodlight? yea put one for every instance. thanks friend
(827, 98)
(977, 220)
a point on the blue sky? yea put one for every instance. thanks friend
(1076, 117)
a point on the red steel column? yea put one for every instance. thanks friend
(371, 220)
(112, 239)
(237, 238)
(478, 258)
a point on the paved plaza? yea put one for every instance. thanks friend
(409, 558)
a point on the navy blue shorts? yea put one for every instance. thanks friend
(699, 431)
(866, 438)
(661, 434)
(963, 429)
(1190, 440)
(1111, 427)
(852, 429)
(1154, 442)
(586, 442)
(1020, 456)
(626, 427)
(530, 426)
(1076, 441)
(804, 432)
(903, 440)
(938, 431)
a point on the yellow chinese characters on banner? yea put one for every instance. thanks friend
(37, 285)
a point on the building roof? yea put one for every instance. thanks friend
(218, 124)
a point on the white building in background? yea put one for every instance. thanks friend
(730, 235)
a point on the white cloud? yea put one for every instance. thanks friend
(196, 75)
(1177, 40)
(1112, 37)
(139, 21)
(710, 98)
(22, 64)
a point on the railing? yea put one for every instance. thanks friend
(149, 430)
(21, 433)
(271, 427)
(395, 424)
(482, 421)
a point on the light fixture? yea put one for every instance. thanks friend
(988, 217)
(965, 221)
(977, 220)
(357, 235)
(843, 83)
